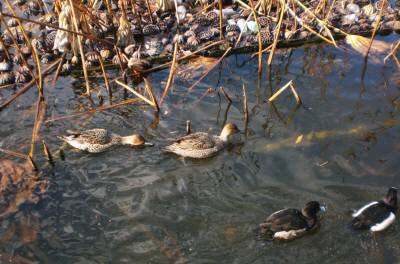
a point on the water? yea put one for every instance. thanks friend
(143, 206)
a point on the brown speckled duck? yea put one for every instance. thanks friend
(200, 144)
(98, 140)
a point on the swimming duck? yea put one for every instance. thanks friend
(378, 215)
(288, 224)
(201, 145)
(98, 140)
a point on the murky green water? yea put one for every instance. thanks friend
(143, 206)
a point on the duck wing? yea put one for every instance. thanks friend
(374, 215)
(92, 136)
(286, 220)
(196, 141)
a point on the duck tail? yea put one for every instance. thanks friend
(166, 149)
(63, 138)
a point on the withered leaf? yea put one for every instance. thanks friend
(19, 184)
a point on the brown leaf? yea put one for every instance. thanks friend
(19, 184)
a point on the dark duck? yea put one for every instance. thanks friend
(288, 224)
(377, 215)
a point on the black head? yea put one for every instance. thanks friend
(312, 208)
(391, 197)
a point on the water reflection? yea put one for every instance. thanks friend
(143, 206)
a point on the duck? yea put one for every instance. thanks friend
(201, 145)
(377, 215)
(98, 140)
(289, 224)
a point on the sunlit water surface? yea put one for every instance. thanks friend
(127, 205)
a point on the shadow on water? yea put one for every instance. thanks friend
(144, 206)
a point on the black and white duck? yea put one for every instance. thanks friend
(288, 224)
(377, 215)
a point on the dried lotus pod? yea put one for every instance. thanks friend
(74, 60)
(138, 65)
(232, 36)
(368, 10)
(12, 22)
(130, 49)
(116, 59)
(230, 28)
(49, 41)
(213, 17)
(193, 41)
(202, 20)
(5, 66)
(179, 38)
(206, 35)
(264, 22)
(151, 29)
(23, 75)
(47, 58)
(92, 57)
(106, 54)
(189, 33)
(66, 67)
(7, 78)
(26, 51)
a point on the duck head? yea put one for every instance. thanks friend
(228, 130)
(312, 208)
(135, 140)
(391, 197)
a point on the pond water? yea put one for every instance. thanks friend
(341, 147)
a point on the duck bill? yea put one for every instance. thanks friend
(148, 144)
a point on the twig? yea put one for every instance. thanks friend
(59, 68)
(40, 112)
(47, 153)
(382, 2)
(188, 127)
(171, 74)
(149, 90)
(135, 93)
(281, 90)
(392, 52)
(225, 94)
(75, 20)
(296, 95)
(106, 82)
(258, 37)
(245, 105)
(221, 33)
(14, 153)
(277, 93)
(278, 27)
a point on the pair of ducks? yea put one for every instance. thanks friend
(196, 145)
(288, 224)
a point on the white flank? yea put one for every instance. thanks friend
(287, 235)
(383, 225)
(77, 145)
(363, 208)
